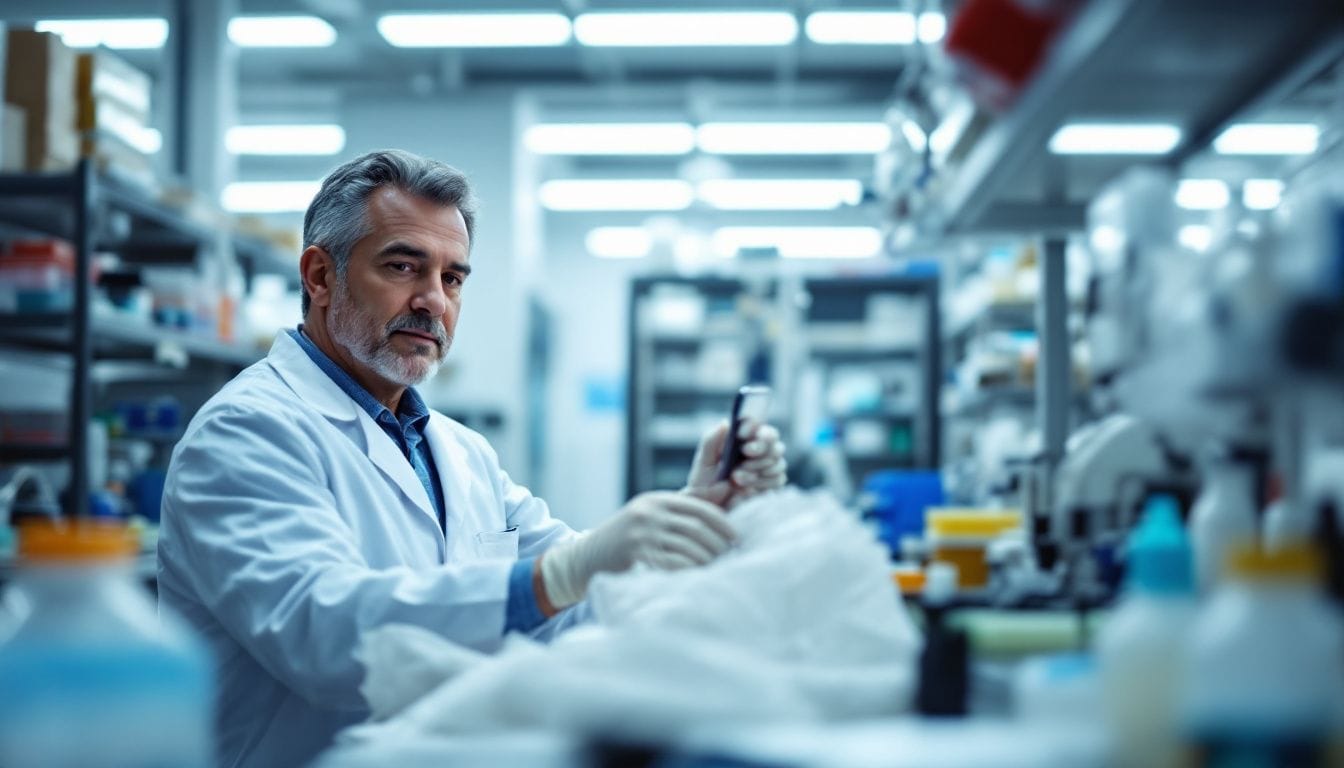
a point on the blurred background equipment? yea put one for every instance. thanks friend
(1050, 295)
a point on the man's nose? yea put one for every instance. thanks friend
(430, 298)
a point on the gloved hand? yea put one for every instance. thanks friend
(663, 529)
(763, 469)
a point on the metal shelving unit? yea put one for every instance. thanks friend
(846, 300)
(79, 207)
(1197, 64)
(666, 412)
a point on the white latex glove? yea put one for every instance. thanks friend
(763, 469)
(663, 529)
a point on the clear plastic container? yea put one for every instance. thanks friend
(91, 676)
(35, 287)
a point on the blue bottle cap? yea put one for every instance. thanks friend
(1160, 560)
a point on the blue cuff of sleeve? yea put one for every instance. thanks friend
(522, 613)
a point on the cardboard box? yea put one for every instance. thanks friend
(40, 78)
(103, 76)
(13, 139)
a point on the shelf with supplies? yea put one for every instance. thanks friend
(692, 343)
(1009, 180)
(77, 334)
(869, 361)
(115, 336)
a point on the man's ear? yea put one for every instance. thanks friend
(318, 270)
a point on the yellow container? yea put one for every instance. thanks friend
(959, 536)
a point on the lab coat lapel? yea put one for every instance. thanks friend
(314, 387)
(455, 475)
(385, 455)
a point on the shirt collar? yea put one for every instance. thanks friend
(412, 409)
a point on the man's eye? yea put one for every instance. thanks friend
(399, 266)
(450, 278)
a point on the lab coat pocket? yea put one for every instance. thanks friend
(498, 544)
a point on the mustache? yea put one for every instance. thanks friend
(419, 323)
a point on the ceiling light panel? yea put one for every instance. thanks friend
(474, 30)
(874, 27)
(1262, 194)
(610, 139)
(122, 34)
(619, 242)
(281, 32)
(779, 194)
(269, 196)
(1115, 139)
(800, 242)
(793, 138)
(616, 195)
(1202, 194)
(1268, 139)
(1196, 237)
(708, 29)
(285, 139)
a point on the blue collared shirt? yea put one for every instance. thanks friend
(407, 429)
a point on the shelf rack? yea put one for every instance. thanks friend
(78, 206)
(1195, 63)
(658, 459)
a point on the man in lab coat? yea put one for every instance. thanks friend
(316, 496)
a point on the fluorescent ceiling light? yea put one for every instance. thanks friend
(874, 27)
(113, 33)
(1268, 139)
(793, 138)
(147, 140)
(800, 242)
(1202, 194)
(1115, 139)
(710, 28)
(281, 32)
(932, 27)
(780, 194)
(285, 139)
(610, 139)
(474, 30)
(619, 242)
(1196, 237)
(616, 195)
(269, 196)
(1261, 194)
(915, 135)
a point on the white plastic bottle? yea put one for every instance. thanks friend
(1222, 519)
(1266, 675)
(832, 463)
(1141, 647)
(91, 676)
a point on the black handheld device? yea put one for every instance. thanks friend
(751, 402)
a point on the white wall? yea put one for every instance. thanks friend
(474, 133)
(585, 457)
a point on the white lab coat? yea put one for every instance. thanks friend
(292, 523)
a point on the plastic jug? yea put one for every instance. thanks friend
(1142, 645)
(91, 676)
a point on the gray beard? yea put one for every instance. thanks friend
(352, 327)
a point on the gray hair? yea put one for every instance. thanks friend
(338, 216)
